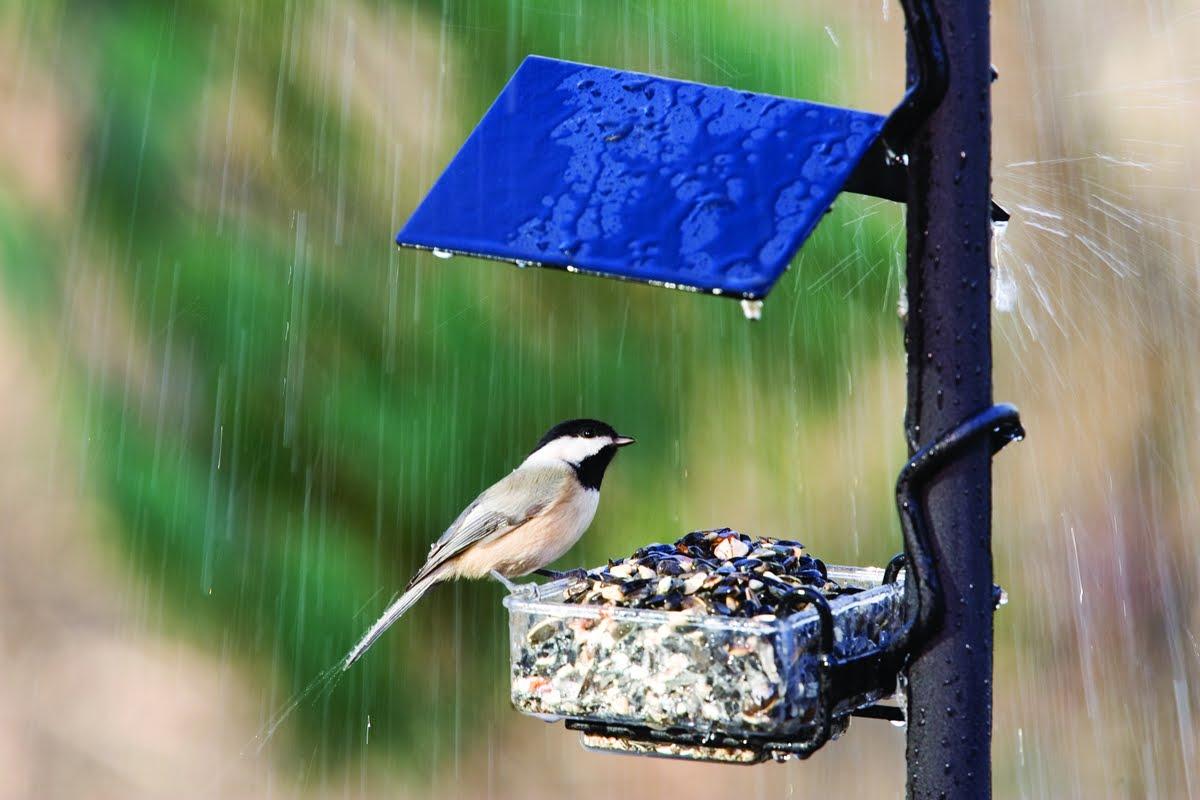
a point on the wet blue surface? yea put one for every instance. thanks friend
(643, 178)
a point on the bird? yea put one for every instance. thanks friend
(524, 521)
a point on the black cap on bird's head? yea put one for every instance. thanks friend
(583, 429)
(588, 445)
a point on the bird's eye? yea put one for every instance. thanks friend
(588, 433)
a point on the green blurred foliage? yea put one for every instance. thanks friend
(310, 407)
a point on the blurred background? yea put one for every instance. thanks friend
(233, 416)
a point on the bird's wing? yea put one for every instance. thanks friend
(506, 505)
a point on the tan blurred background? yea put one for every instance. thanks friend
(111, 688)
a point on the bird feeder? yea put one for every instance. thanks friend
(711, 688)
(702, 687)
(712, 190)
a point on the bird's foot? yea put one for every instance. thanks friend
(578, 574)
(510, 585)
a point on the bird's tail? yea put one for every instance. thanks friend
(411, 595)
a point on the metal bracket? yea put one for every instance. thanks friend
(881, 175)
(931, 76)
(926, 603)
(1002, 424)
(883, 170)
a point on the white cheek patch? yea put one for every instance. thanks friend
(572, 450)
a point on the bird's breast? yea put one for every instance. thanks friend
(541, 540)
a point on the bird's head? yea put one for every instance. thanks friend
(587, 445)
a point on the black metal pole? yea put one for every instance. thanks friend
(948, 339)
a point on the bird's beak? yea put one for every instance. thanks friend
(621, 441)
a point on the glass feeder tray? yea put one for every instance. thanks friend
(696, 686)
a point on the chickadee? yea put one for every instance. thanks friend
(520, 524)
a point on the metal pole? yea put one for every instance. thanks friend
(948, 339)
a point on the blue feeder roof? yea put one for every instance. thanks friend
(632, 176)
